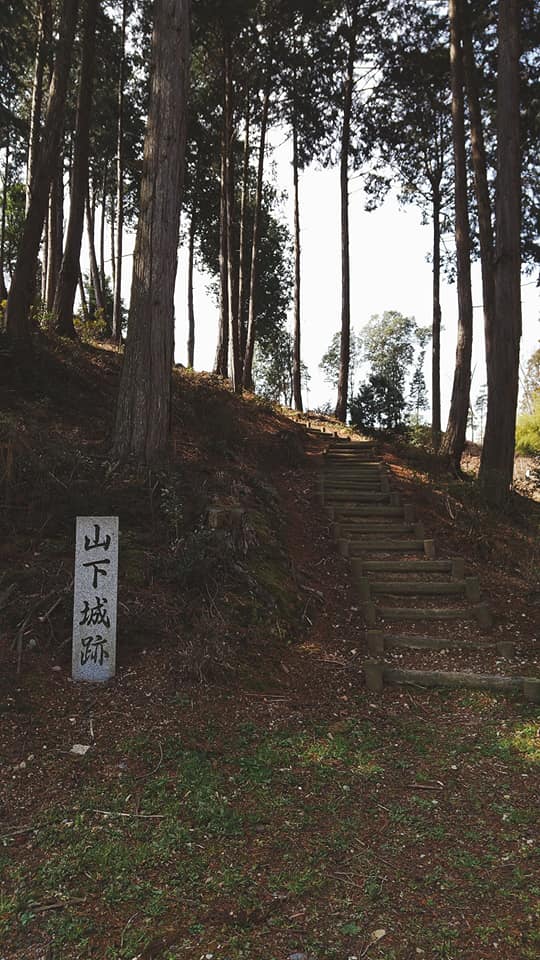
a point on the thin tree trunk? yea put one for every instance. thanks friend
(117, 305)
(143, 411)
(343, 380)
(222, 352)
(69, 271)
(297, 368)
(102, 229)
(36, 107)
(113, 241)
(454, 440)
(99, 295)
(56, 231)
(84, 301)
(3, 288)
(242, 271)
(235, 364)
(191, 312)
(503, 340)
(45, 256)
(22, 289)
(481, 188)
(436, 325)
(250, 337)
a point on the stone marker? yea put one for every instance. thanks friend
(94, 603)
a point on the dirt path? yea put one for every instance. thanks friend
(286, 815)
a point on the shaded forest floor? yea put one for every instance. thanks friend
(243, 796)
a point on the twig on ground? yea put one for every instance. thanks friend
(117, 813)
(144, 776)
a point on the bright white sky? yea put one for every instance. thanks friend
(389, 271)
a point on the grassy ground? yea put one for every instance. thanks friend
(250, 827)
(275, 810)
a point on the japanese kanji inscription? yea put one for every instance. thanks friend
(95, 593)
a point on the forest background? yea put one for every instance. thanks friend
(366, 87)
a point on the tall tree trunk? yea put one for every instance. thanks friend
(3, 288)
(250, 337)
(112, 225)
(436, 324)
(222, 352)
(242, 266)
(235, 364)
(56, 230)
(117, 304)
(345, 351)
(22, 289)
(99, 295)
(503, 340)
(69, 271)
(191, 312)
(102, 221)
(454, 440)
(297, 366)
(84, 301)
(45, 256)
(36, 108)
(481, 188)
(143, 411)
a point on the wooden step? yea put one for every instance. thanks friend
(431, 588)
(412, 588)
(377, 673)
(363, 487)
(344, 531)
(378, 642)
(403, 566)
(480, 613)
(358, 548)
(356, 496)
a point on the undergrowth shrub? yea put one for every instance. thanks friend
(528, 430)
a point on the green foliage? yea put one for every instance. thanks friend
(532, 382)
(331, 360)
(528, 430)
(389, 346)
(15, 215)
(96, 328)
(378, 405)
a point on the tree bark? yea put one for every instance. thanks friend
(191, 312)
(102, 220)
(436, 325)
(22, 289)
(99, 296)
(70, 269)
(345, 350)
(36, 108)
(117, 303)
(222, 352)
(454, 440)
(242, 266)
(56, 230)
(503, 340)
(84, 301)
(297, 363)
(250, 337)
(143, 411)
(235, 364)
(481, 188)
(3, 288)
